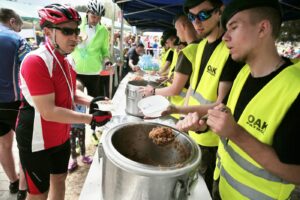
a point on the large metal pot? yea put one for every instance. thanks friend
(133, 96)
(134, 168)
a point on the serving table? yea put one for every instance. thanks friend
(92, 186)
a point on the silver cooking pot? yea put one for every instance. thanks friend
(133, 96)
(134, 168)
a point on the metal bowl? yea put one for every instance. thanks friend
(132, 141)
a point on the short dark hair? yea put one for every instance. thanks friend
(188, 4)
(141, 45)
(6, 14)
(182, 17)
(270, 14)
(216, 3)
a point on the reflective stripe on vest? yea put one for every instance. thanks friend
(248, 166)
(241, 176)
(201, 100)
(246, 191)
(207, 90)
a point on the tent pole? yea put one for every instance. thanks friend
(121, 42)
(112, 50)
(112, 34)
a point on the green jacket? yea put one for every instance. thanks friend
(89, 60)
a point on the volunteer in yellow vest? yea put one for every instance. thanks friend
(184, 66)
(259, 149)
(216, 72)
(92, 53)
(167, 61)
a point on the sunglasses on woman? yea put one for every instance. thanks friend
(202, 15)
(68, 31)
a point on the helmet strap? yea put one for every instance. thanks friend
(56, 46)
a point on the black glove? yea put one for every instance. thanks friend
(100, 118)
(93, 105)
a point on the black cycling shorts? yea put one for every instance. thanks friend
(8, 116)
(39, 165)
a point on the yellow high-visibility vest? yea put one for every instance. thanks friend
(207, 89)
(240, 176)
(190, 53)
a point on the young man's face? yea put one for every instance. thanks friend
(180, 30)
(242, 36)
(140, 50)
(170, 41)
(205, 27)
(66, 35)
(93, 19)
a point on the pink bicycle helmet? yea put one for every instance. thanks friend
(57, 13)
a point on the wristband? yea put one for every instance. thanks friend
(153, 91)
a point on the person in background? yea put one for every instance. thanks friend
(13, 48)
(259, 146)
(177, 90)
(39, 38)
(92, 53)
(155, 47)
(48, 85)
(168, 61)
(78, 132)
(133, 59)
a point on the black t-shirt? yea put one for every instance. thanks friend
(132, 55)
(184, 66)
(231, 68)
(287, 137)
(170, 56)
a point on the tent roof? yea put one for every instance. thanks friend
(26, 11)
(150, 14)
(157, 15)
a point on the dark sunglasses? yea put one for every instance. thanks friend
(68, 31)
(202, 15)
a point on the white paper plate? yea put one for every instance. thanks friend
(105, 105)
(153, 106)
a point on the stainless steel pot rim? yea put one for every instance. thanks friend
(116, 120)
(142, 169)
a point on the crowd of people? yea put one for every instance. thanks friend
(211, 64)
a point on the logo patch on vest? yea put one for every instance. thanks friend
(257, 124)
(212, 70)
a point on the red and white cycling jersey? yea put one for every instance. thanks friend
(40, 74)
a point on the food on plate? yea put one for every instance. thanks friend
(161, 135)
